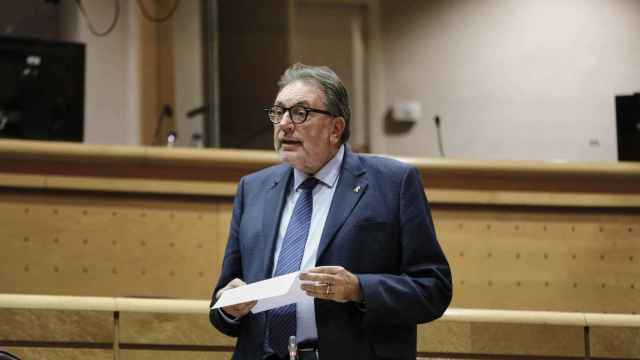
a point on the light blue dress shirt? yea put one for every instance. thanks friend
(322, 197)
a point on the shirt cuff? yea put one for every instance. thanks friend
(228, 318)
(362, 304)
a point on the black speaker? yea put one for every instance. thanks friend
(628, 125)
(41, 89)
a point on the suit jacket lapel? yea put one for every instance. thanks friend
(272, 211)
(351, 186)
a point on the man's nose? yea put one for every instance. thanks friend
(286, 121)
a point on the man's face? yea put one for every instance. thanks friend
(309, 145)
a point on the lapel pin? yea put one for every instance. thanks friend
(356, 189)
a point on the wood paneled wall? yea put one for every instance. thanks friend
(156, 71)
(119, 221)
(108, 245)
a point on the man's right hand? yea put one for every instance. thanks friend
(238, 310)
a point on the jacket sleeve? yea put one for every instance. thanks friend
(231, 266)
(421, 290)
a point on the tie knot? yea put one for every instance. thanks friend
(309, 184)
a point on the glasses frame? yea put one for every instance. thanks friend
(288, 109)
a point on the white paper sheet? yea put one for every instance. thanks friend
(270, 293)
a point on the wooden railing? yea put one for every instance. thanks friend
(104, 168)
(117, 305)
(182, 306)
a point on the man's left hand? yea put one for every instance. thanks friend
(331, 283)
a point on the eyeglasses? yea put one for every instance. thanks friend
(297, 113)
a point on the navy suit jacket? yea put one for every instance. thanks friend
(379, 227)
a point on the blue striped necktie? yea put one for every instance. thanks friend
(283, 319)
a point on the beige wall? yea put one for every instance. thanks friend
(333, 34)
(111, 80)
(514, 79)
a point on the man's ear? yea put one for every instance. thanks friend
(339, 125)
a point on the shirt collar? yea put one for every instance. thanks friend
(328, 175)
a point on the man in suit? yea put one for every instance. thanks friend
(358, 228)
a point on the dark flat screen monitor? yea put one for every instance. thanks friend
(41, 89)
(628, 127)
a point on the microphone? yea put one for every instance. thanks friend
(9, 117)
(440, 147)
(167, 112)
(197, 111)
(293, 348)
(4, 119)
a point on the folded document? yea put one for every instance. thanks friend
(270, 293)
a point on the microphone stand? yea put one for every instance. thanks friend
(167, 112)
(440, 147)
